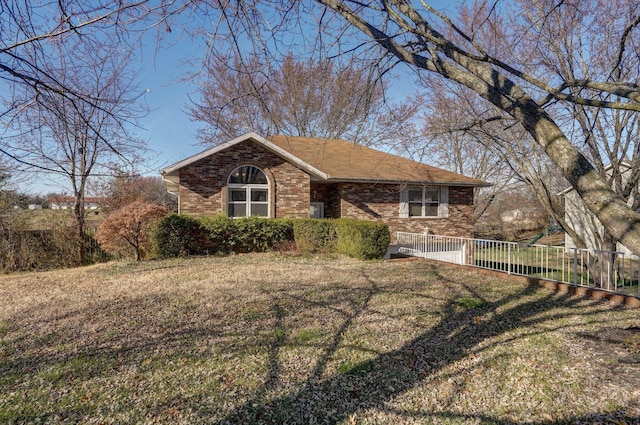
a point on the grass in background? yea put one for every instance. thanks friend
(47, 219)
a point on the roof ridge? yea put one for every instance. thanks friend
(333, 160)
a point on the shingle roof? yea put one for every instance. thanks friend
(346, 161)
(339, 160)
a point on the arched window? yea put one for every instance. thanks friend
(248, 192)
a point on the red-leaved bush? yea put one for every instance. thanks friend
(129, 228)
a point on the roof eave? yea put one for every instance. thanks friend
(170, 170)
(173, 169)
(332, 179)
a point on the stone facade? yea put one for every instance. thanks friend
(202, 192)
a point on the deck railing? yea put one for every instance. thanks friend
(607, 270)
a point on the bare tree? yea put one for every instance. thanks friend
(307, 97)
(30, 30)
(81, 140)
(125, 188)
(581, 42)
(388, 32)
(409, 32)
(563, 46)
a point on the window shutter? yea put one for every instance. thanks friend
(443, 207)
(404, 203)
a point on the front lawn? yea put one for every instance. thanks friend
(267, 338)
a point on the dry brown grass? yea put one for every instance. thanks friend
(268, 338)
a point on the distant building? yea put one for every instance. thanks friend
(35, 206)
(69, 202)
(525, 214)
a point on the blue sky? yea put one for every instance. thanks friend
(170, 134)
(169, 131)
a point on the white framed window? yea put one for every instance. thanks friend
(247, 192)
(424, 201)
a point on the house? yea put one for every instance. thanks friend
(510, 216)
(61, 202)
(583, 221)
(299, 177)
(69, 202)
(524, 216)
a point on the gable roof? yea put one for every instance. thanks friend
(346, 161)
(338, 161)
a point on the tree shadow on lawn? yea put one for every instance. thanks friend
(374, 383)
(327, 397)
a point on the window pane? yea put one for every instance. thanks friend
(237, 210)
(415, 195)
(431, 194)
(247, 175)
(415, 210)
(256, 176)
(431, 210)
(238, 176)
(261, 210)
(238, 195)
(259, 195)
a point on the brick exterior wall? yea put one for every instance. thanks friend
(202, 192)
(382, 203)
(330, 195)
(202, 183)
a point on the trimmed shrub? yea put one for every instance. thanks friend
(176, 235)
(183, 235)
(256, 234)
(314, 235)
(220, 233)
(365, 240)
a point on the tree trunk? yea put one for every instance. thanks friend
(603, 264)
(618, 219)
(78, 211)
(441, 56)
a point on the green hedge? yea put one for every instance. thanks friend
(365, 240)
(255, 234)
(176, 235)
(183, 235)
(221, 233)
(315, 235)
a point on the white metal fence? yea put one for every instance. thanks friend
(607, 270)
